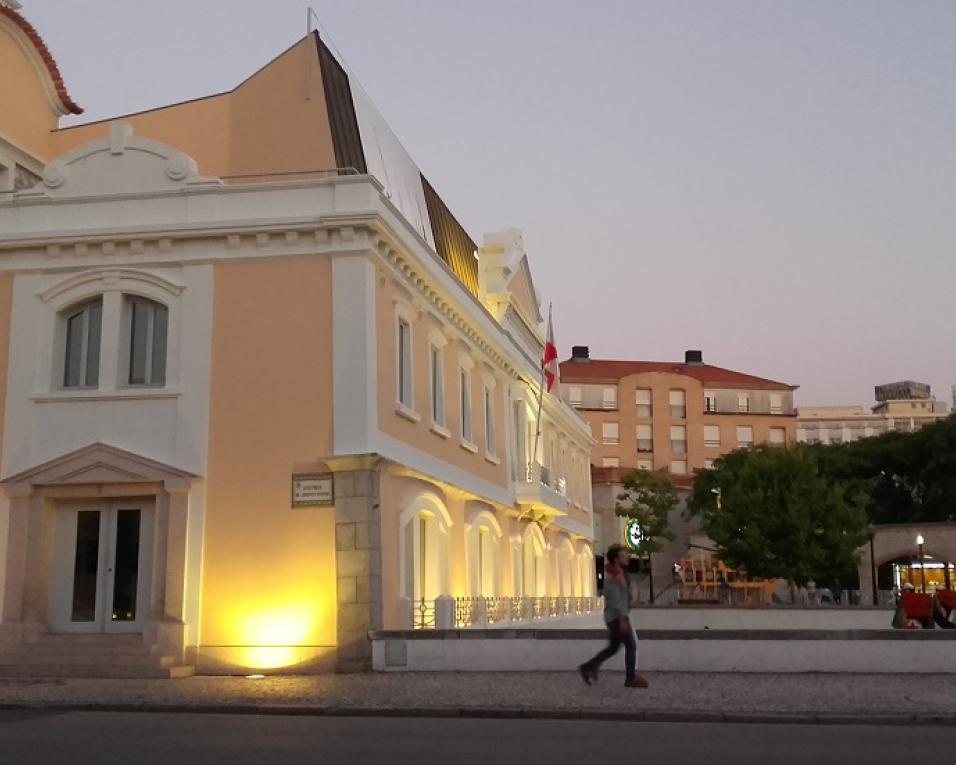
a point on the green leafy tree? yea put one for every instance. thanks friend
(648, 499)
(771, 512)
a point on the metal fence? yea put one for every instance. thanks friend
(489, 611)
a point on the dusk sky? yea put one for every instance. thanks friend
(773, 183)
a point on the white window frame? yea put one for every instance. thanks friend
(649, 429)
(776, 403)
(678, 467)
(643, 464)
(649, 403)
(710, 402)
(129, 301)
(489, 409)
(575, 395)
(710, 442)
(609, 439)
(404, 363)
(609, 397)
(745, 443)
(61, 347)
(610, 462)
(678, 410)
(466, 420)
(437, 403)
(783, 436)
(678, 430)
(743, 403)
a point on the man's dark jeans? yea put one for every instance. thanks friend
(615, 639)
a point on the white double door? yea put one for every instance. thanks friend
(102, 566)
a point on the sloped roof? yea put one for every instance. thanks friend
(597, 369)
(34, 37)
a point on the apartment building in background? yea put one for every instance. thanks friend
(904, 406)
(670, 416)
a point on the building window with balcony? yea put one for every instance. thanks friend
(710, 401)
(82, 327)
(776, 403)
(712, 436)
(575, 396)
(609, 397)
(645, 465)
(745, 436)
(148, 325)
(778, 436)
(678, 467)
(678, 402)
(610, 462)
(438, 386)
(404, 344)
(610, 433)
(645, 438)
(678, 439)
(645, 407)
(743, 402)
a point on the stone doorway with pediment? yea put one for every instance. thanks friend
(97, 543)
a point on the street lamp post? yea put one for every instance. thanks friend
(872, 531)
(922, 568)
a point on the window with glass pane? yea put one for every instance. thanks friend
(778, 436)
(438, 387)
(678, 402)
(404, 363)
(678, 439)
(644, 406)
(645, 465)
(609, 433)
(745, 436)
(610, 398)
(574, 395)
(711, 435)
(710, 401)
(149, 324)
(776, 403)
(81, 363)
(610, 462)
(679, 467)
(645, 438)
(743, 402)
(489, 421)
(465, 391)
(708, 464)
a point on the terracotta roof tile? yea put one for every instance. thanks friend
(597, 369)
(28, 29)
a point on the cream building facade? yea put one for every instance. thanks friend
(261, 393)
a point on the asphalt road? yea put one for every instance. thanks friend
(101, 738)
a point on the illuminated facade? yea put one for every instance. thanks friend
(260, 391)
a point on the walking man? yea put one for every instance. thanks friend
(617, 610)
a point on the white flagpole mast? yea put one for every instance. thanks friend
(537, 423)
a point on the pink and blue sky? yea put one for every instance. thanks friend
(771, 182)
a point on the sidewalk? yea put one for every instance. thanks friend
(890, 699)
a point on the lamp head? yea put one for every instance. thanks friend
(919, 539)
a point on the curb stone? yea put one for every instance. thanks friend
(498, 713)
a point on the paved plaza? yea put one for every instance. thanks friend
(681, 696)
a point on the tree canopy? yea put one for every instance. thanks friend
(773, 512)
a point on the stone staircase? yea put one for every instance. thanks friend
(92, 656)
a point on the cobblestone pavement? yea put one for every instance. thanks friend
(515, 693)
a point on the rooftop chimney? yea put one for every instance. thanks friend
(580, 353)
(695, 358)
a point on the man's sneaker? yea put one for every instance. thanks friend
(637, 682)
(586, 674)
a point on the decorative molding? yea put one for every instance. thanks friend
(111, 279)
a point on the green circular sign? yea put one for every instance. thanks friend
(633, 534)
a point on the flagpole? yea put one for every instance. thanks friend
(537, 423)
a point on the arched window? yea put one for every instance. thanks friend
(148, 332)
(82, 330)
(587, 572)
(425, 525)
(567, 563)
(483, 540)
(533, 562)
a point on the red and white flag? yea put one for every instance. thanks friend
(549, 361)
